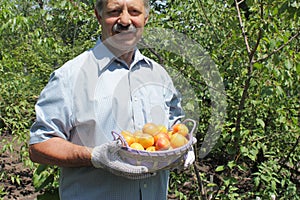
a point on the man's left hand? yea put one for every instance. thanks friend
(190, 156)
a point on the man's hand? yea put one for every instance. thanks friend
(107, 156)
(189, 159)
(185, 160)
(190, 156)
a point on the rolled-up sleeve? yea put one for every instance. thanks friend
(53, 111)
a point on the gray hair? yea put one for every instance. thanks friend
(100, 4)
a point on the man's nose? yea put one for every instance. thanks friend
(125, 18)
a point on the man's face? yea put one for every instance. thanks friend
(123, 19)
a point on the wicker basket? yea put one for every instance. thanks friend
(156, 160)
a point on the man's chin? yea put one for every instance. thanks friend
(128, 37)
(123, 42)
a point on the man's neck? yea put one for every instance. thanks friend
(127, 57)
(124, 53)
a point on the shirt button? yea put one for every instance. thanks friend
(145, 185)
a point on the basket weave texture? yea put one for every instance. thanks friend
(156, 160)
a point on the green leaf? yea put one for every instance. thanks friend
(260, 122)
(256, 181)
(273, 185)
(220, 168)
(43, 183)
(231, 149)
(41, 168)
(211, 185)
(288, 64)
(298, 69)
(244, 150)
(258, 66)
(231, 164)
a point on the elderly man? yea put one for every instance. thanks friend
(109, 87)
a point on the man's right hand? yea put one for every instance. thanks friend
(107, 156)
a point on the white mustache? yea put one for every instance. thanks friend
(120, 28)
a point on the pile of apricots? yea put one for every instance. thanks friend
(154, 137)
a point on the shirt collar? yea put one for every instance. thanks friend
(105, 57)
(102, 55)
(138, 57)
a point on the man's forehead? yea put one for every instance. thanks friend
(121, 2)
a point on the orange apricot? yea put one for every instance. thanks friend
(136, 146)
(162, 128)
(150, 128)
(181, 129)
(162, 143)
(170, 133)
(159, 135)
(151, 148)
(178, 140)
(146, 140)
(128, 136)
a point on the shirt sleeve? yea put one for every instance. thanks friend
(53, 110)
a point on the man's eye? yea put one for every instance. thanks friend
(135, 12)
(114, 12)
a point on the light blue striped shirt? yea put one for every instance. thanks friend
(92, 95)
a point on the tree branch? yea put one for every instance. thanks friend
(249, 68)
(259, 34)
(249, 74)
(242, 28)
(241, 2)
(279, 48)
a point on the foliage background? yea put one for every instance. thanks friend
(254, 44)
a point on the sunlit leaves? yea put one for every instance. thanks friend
(270, 116)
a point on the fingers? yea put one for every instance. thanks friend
(194, 140)
(116, 163)
(190, 158)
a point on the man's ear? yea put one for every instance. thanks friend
(98, 16)
(146, 19)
